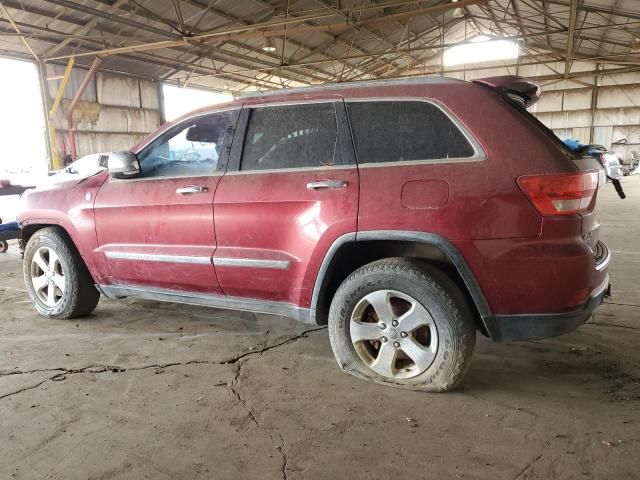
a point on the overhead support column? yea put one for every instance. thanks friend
(594, 105)
(46, 100)
(573, 17)
(55, 158)
(76, 98)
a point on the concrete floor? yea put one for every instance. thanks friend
(150, 390)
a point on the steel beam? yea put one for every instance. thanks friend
(55, 159)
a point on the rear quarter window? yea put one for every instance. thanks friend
(399, 131)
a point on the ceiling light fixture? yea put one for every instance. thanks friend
(457, 12)
(269, 46)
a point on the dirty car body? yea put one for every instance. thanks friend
(281, 203)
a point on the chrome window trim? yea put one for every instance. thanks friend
(251, 263)
(148, 257)
(293, 170)
(151, 179)
(479, 154)
(293, 103)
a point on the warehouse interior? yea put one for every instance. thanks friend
(143, 389)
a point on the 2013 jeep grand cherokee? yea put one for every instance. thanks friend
(405, 214)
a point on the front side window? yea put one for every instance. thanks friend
(190, 149)
(396, 131)
(292, 136)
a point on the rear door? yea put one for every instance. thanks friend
(293, 190)
(156, 230)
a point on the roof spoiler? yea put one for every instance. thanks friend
(524, 91)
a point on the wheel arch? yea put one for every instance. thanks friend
(347, 254)
(29, 228)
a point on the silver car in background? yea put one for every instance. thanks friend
(608, 159)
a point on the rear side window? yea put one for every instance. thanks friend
(292, 136)
(398, 131)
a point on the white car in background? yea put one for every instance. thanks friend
(83, 167)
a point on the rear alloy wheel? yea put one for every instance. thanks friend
(404, 323)
(56, 277)
(393, 334)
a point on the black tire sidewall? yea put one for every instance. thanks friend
(49, 238)
(444, 309)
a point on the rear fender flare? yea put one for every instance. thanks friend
(432, 239)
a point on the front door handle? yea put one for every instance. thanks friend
(326, 184)
(191, 189)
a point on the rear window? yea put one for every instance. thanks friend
(397, 131)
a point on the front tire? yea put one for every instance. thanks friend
(57, 280)
(402, 323)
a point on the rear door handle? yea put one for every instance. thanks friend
(326, 184)
(191, 189)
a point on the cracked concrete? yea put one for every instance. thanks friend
(150, 390)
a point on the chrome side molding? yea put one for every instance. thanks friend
(251, 262)
(147, 257)
(217, 261)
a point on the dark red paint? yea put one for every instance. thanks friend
(523, 262)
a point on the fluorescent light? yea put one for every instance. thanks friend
(457, 12)
(269, 46)
(481, 49)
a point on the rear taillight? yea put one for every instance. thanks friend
(560, 194)
(603, 159)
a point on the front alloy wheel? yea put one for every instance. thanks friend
(47, 276)
(57, 280)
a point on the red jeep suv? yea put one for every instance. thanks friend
(406, 214)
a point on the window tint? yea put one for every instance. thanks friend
(387, 131)
(191, 148)
(292, 136)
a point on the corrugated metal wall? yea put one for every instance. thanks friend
(606, 114)
(114, 111)
(605, 111)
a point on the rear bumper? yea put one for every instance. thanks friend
(503, 328)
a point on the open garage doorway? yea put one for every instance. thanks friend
(181, 100)
(23, 153)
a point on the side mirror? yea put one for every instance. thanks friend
(123, 165)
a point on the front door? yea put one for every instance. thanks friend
(156, 230)
(294, 191)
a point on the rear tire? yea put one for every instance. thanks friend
(57, 280)
(402, 323)
(4, 246)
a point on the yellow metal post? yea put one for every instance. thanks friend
(55, 158)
